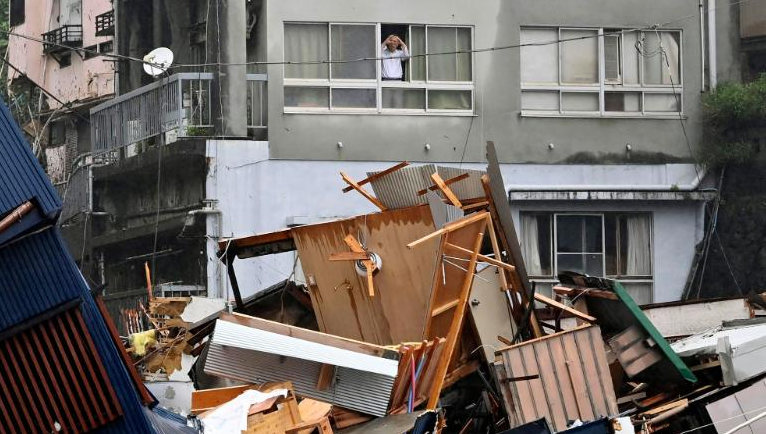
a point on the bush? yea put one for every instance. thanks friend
(729, 113)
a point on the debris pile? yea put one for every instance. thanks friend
(426, 321)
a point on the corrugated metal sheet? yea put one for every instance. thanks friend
(253, 339)
(21, 177)
(469, 188)
(36, 275)
(353, 389)
(399, 189)
(564, 376)
(51, 374)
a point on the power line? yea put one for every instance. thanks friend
(367, 59)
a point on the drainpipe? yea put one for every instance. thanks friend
(606, 187)
(711, 33)
(220, 283)
(702, 40)
(16, 215)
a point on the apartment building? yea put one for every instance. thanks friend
(594, 110)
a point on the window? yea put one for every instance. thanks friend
(17, 12)
(600, 72)
(440, 83)
(616, 245)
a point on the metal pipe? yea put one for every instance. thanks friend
(746, 423)
(16, 215)
(711, 34)
(702, 39)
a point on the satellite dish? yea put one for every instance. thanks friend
(158, 61)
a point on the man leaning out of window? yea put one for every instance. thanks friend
(394, 52)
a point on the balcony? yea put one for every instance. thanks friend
(177, 107)
(105, 24)
(62, 39)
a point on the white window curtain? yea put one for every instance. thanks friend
(530, 248)
(639, 262)
(306, 42)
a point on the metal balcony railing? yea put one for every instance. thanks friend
(178, 105)
(62, 39)
(105, 24)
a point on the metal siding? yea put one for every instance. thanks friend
(353, 389)
(469, 188)
(253, 339)
(37, 275)
(21, 177)
(399, 189)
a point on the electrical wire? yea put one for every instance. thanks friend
(367, 59)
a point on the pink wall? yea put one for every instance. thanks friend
(83, 80)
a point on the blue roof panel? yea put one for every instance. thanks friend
(21, 177)
(36, 274)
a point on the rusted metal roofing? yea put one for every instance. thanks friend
(51, 379)
(563, 376)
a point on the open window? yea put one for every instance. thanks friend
(16, 12)
(437, 77)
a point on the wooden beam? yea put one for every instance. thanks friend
(449, 227)
(326, 375)
(446, 182)
(16, 215)
(484, 258)
(445, 307)
(504, 340)
(455, 326)
(501, 350)
(553, 303)
(378, 175)
(446, 191)
(349, 256)
(369, 265)
(363, 192)
(476, 205)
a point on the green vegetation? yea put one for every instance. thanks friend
(730, 113)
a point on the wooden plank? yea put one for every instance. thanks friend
(449, 227)
(504, 340)
(378, 175)
(311, 409)
(326, 376)
(446, 182)
(484, 258)
(475, 205)
(551, 385)
(524, 405)
(665, 407)
(577, 377)
(349, 256)
(551, 336)
(363, 192)
(592, 379)
(345, 418)
(445, 307)
(369, 266)
(446, 191)
(629, 398)
(563, 378)
(553, 303)
(321, 426)
(203, 400)
(604, 377)
(455, 326)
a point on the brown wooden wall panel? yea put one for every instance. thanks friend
(561, 377)
(402, 287)
(51, 374)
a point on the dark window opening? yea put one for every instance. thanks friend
(65, 60)
(106, 47)
(17, 12)
(90, 52)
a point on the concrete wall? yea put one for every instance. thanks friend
(83, 79)
(519, 139)
(257, 195)
(752, 20)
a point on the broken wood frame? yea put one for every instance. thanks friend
(451, 289)
(353, 185)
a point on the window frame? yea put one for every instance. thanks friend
(378, 84)
(603, 87)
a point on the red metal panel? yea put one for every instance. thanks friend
(51, 374)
